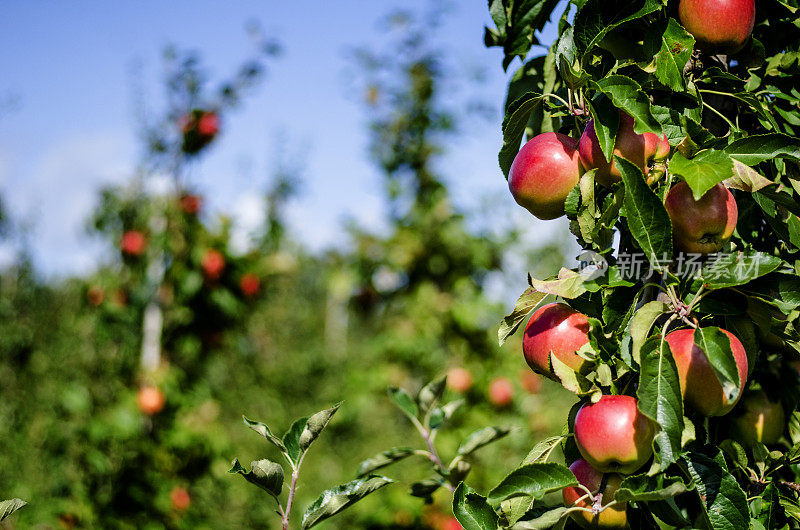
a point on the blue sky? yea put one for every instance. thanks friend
(67, 113)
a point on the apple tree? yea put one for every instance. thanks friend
(667, 134)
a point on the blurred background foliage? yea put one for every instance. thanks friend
(392, 308)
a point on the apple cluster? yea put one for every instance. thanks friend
(199, 128)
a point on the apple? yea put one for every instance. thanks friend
(249, 284)
(501, 392)
(613, 435)
(718, 26)
(133, 243)
(199, 127)
(615, 516)
(543, 173)
(95, 295)
(459, 379)
(758, 419)
(531, 382)
(191, 203)
(150, 399)
(212, 263)
(704, 226)
(559, 329)
(208, 124)
(180, 498)
(451, 523)
(644, 150)
(700, 387)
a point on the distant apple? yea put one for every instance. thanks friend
(249, 284)
(213, 263)
(150, 399)
(501, 392)
(133, 243)
(95, 295)
(531, 382)
(459, 379)
(191, 203)
(180, 498)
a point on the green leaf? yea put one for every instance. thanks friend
(525, 304)
(648, 220)
(533, 480)
(717, 347)
(292, 439)
(676, 49)
(514, 124)
(335, 500)
(515, 508)
(263, 430)
(641, 324)
(431, 393)
(596, 18)
(472, 510)
(708, 168)
(481, 438)
(543, 521)
(739, 268)
(568, 284)
(265, 474)
(384, 459)
(314, 426)
(746, 178)
(645, 488)
(542, 450)
(629, 96)
(424, 489)
(722, 499)
(771, 514)
(403, 401)
(758, 148)
(660, 398)
(605, 118)
(10, 506)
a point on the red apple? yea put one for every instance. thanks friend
(758, 419)
(543, 173)
(191, 203)
(718, 26)
(559, 329)
(613, 436)
(249, 284)
(459, 379)
(644, 150)
(180, 498)
(451, 523)
(704, 226)
(150, 399)
(208, 124)
(700, 387)
(213, 263)
(531, 382)
(133, 243)
(615, 516)
(501, 392)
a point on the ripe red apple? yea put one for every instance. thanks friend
(150, 399)
(501, 392)
(615, 516)
(208, 124)
(644, 150)
(543, 173)
(718, 26)
(613, 436)
(758, 419)
(191, 203)
(180, 498)
(559, 329)
(704, 226)
(531, 382)
(213, 263)
(133, 243)
(451, 523)
(459, 379)
(700, 387)
(249, 284)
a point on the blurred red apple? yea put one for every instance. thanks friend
(250, 284)
(208, 124)
(95, 295)
(531, 382)
(133, 243)
(501, 392)
(543, 173)
(180, 498)
(150, 399)
(191, 203)
(459, 379)
(213, 263)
